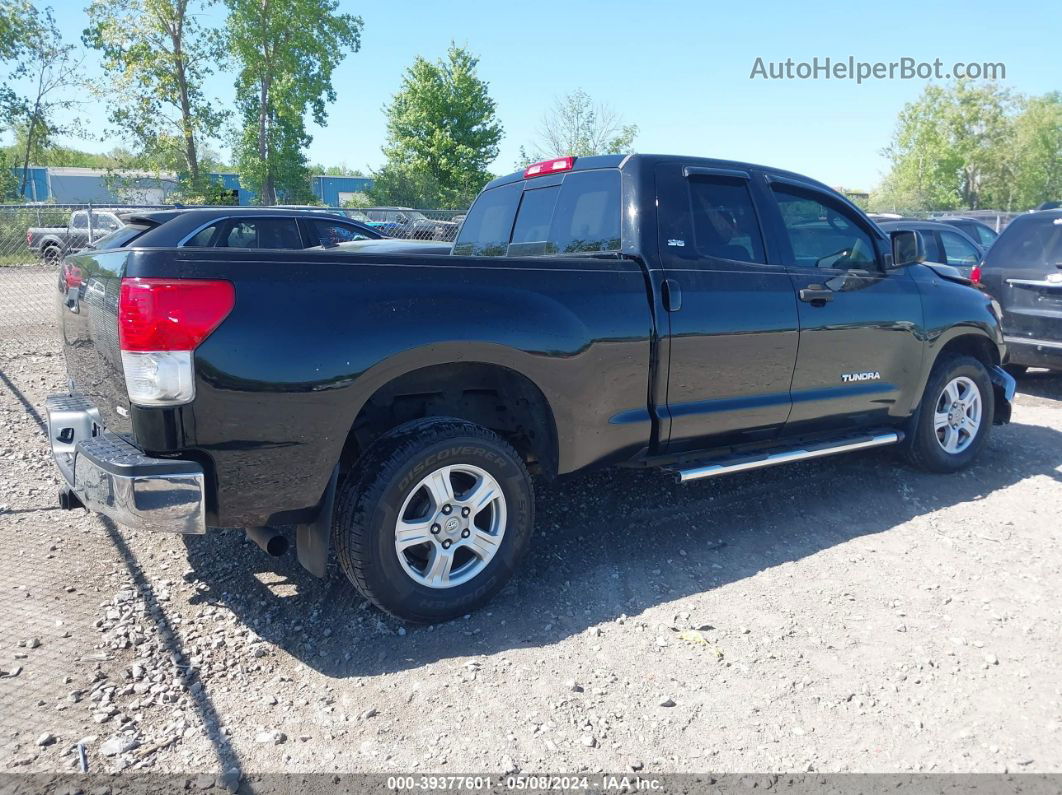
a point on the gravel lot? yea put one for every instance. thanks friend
(847, 614)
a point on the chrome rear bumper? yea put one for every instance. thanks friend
(111, 476)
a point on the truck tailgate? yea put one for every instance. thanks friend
(88, 288)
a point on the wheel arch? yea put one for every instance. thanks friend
(484, 389)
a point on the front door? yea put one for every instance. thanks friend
(733, 315)
(860, 324)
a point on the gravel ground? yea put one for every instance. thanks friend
(847, 614)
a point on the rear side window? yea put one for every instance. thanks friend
(271, 233)
(724, 220)
(580, 215)
(1028, 242)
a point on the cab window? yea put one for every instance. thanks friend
(822, 235)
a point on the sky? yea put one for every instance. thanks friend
(679, 70)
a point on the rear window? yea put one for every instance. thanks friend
(122, 236)
(580, 215)
(486, 230)
(1028, 242)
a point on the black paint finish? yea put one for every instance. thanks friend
(315, 334)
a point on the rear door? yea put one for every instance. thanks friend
(1023, 271)
(732, 313)
(860, 325)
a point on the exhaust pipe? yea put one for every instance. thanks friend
(270, 540)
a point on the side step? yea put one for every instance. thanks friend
(743, 463)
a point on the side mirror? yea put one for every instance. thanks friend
(908, 248)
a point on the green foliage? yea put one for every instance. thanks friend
(1038, 151)
(342, 170)
(576, 125)
(19, 20)
(53, 84)
(8, 181)
(973, 146)
(442, 133)
(286, 51)
(157, 57)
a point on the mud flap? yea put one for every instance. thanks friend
(312, 540)
(1004, 385)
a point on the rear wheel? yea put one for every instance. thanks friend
(51, 256)
(954, 417)
(435, 520)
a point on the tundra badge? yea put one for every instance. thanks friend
(873, 376)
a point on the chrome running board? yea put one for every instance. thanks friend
(725, 466)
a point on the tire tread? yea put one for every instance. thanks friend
(363, 488)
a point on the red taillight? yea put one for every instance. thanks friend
(171, 315)
(549, 167)
(975, 274)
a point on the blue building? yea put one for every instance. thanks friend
(63, 185)
(337, 191)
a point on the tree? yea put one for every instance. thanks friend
(158, 58)
(53, 74)
(18, 21)
(973, 146)
(1038, 148)
(286, 51)
(576, 125)
(442, 133)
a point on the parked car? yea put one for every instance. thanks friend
(700, 316)
(224, 228)
(943, 243)
(404, 222)
(52, 243)
(271, 228)
(982, 233)
(1023, 272)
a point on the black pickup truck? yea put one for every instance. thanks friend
(697, 315)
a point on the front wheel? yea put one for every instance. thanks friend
(954, 417)
(435, 520)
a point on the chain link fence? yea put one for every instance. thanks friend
(35, 238)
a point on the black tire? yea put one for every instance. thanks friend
(1016, 370)
(51, 256)
(921, 446)
(368, 503)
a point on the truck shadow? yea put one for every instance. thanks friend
(612, 543)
